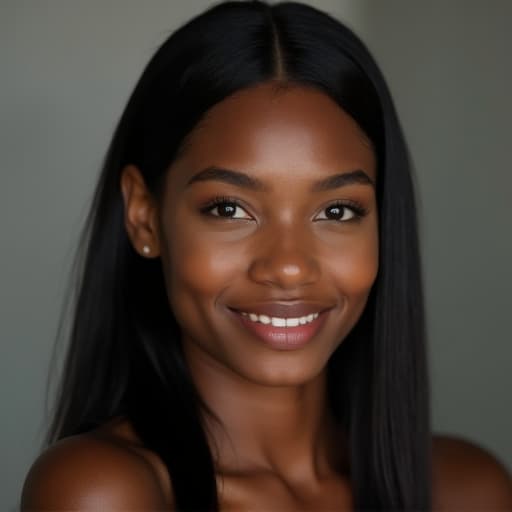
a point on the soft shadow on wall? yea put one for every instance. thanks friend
(449, 68)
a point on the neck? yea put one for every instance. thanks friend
(256, 428)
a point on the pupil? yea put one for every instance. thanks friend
(226, 210)
(334, 212)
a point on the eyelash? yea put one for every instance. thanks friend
(355, 207)
(219, 201)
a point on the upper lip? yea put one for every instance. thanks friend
(280, 310)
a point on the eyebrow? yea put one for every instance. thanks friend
(343, 179)
(242, 180)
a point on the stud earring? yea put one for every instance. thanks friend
(146, 249)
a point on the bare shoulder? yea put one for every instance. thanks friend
(93, 472)
(467, 477)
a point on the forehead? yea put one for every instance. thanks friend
(296, 130)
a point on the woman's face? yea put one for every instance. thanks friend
(270, 215)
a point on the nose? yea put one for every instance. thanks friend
(285, 259)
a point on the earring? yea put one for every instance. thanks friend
(146, 249)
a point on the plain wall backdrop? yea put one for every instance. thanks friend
(67, 68)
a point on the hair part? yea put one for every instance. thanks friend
(123, 331)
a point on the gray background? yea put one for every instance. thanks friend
(67, 68)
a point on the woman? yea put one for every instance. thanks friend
(248, 332)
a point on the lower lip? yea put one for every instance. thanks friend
(284, 338)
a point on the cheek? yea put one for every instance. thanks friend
(353, 272)
(198, 267)
(354, 267)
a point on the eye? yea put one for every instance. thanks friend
(225, 208)
(341, 212)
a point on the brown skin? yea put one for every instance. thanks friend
(281, 246)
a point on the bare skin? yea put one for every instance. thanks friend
(287, 241)
(109, 469)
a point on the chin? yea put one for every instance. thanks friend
(283, 372)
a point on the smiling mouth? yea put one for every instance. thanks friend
(282, 333)
(278, 321)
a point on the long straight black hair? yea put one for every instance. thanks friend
(125, 358)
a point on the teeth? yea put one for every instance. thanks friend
(280, 322)
(264, 319)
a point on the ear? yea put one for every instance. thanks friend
(140, 213)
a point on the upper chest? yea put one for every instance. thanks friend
(269, 493)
